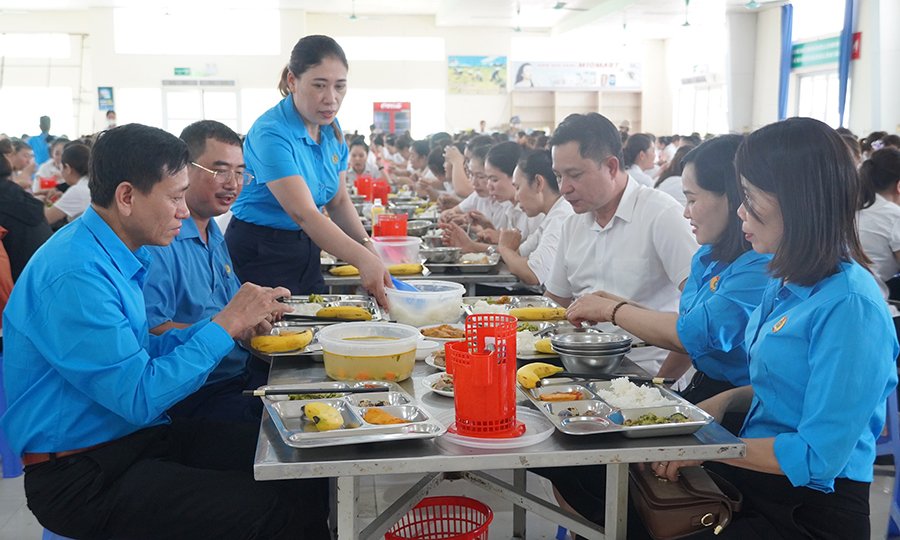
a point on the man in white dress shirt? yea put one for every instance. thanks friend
(626, 239)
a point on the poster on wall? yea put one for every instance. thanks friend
(105, 100)
(575, 76)
(476, 74)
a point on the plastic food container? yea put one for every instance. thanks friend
(398, 249)
(436, 302)
(369, 351)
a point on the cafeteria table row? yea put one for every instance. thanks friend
(436, 461)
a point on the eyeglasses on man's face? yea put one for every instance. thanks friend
(224, 176)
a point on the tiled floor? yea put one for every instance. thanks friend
(17, 523)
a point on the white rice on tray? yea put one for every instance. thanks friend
(624, 394)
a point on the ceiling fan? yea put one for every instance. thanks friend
(756, 4)
(353, 16)
(562, 5)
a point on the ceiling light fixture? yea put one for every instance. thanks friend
(686, 4)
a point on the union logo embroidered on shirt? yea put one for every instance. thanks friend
(227, 269)
(334, 158)
(714, 283)
(780, 324)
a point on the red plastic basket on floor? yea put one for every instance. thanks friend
(444, 518)
(484, 378)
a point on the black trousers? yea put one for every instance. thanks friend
(275, 257)
(188, 480)
(222, 401)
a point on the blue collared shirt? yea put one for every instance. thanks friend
(717, 300)
(79, 364)
(190, 280)
(278, 145)
(822, 363)
(41, 149)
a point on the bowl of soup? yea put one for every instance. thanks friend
(369, 351)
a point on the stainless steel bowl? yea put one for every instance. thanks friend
(360, 208)
(605, 352)
(433, 240)
(408, 209)
(591, 363)
(443, 255)
(358, 198)
(418, 227)
(581, 340)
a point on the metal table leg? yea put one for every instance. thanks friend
(616, 501)
(347, 497)
(520, 484)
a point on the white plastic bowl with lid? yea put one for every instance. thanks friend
(362, 351)
(435, 302)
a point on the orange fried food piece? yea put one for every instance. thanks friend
(377, 416)
(561, 396)
(444, 331)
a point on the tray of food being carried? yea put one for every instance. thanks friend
(617, 406)
(469, 263)
(323, 309)
(340, 417)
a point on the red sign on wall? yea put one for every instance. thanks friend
(856, 43)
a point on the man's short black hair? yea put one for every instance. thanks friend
(196, 135)
(134, 153)
(596, 136)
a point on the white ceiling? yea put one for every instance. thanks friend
(652, 18)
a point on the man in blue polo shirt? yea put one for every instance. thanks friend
(193, 277)
(41, 143)
(87, 385)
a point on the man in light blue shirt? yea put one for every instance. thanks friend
(193, 278)
(87, 385)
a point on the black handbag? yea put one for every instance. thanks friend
(699, 500)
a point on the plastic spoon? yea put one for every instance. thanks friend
(402, 285)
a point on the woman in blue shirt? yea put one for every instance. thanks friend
(822, 346)
(298, 156)
(726, 283)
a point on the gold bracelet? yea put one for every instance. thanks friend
(612, 317)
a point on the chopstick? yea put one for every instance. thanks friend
(611, 376)
(285, 391)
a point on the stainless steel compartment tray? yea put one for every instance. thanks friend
(467, 268)
(298, 432)
(604, 418)
(331, 300)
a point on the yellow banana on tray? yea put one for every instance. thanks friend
(344, 271)
(282, 342)
(538, 313)
(324, 416)
(347, 313)
(544, 346)
(407, 269)
(530, 374)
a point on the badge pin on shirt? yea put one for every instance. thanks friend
(714, 283)
(227, 269)
(780, 324)
(334, 158)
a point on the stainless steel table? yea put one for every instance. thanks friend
(277, 461)
(501, 277)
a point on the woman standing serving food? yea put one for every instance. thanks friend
(296, 160)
